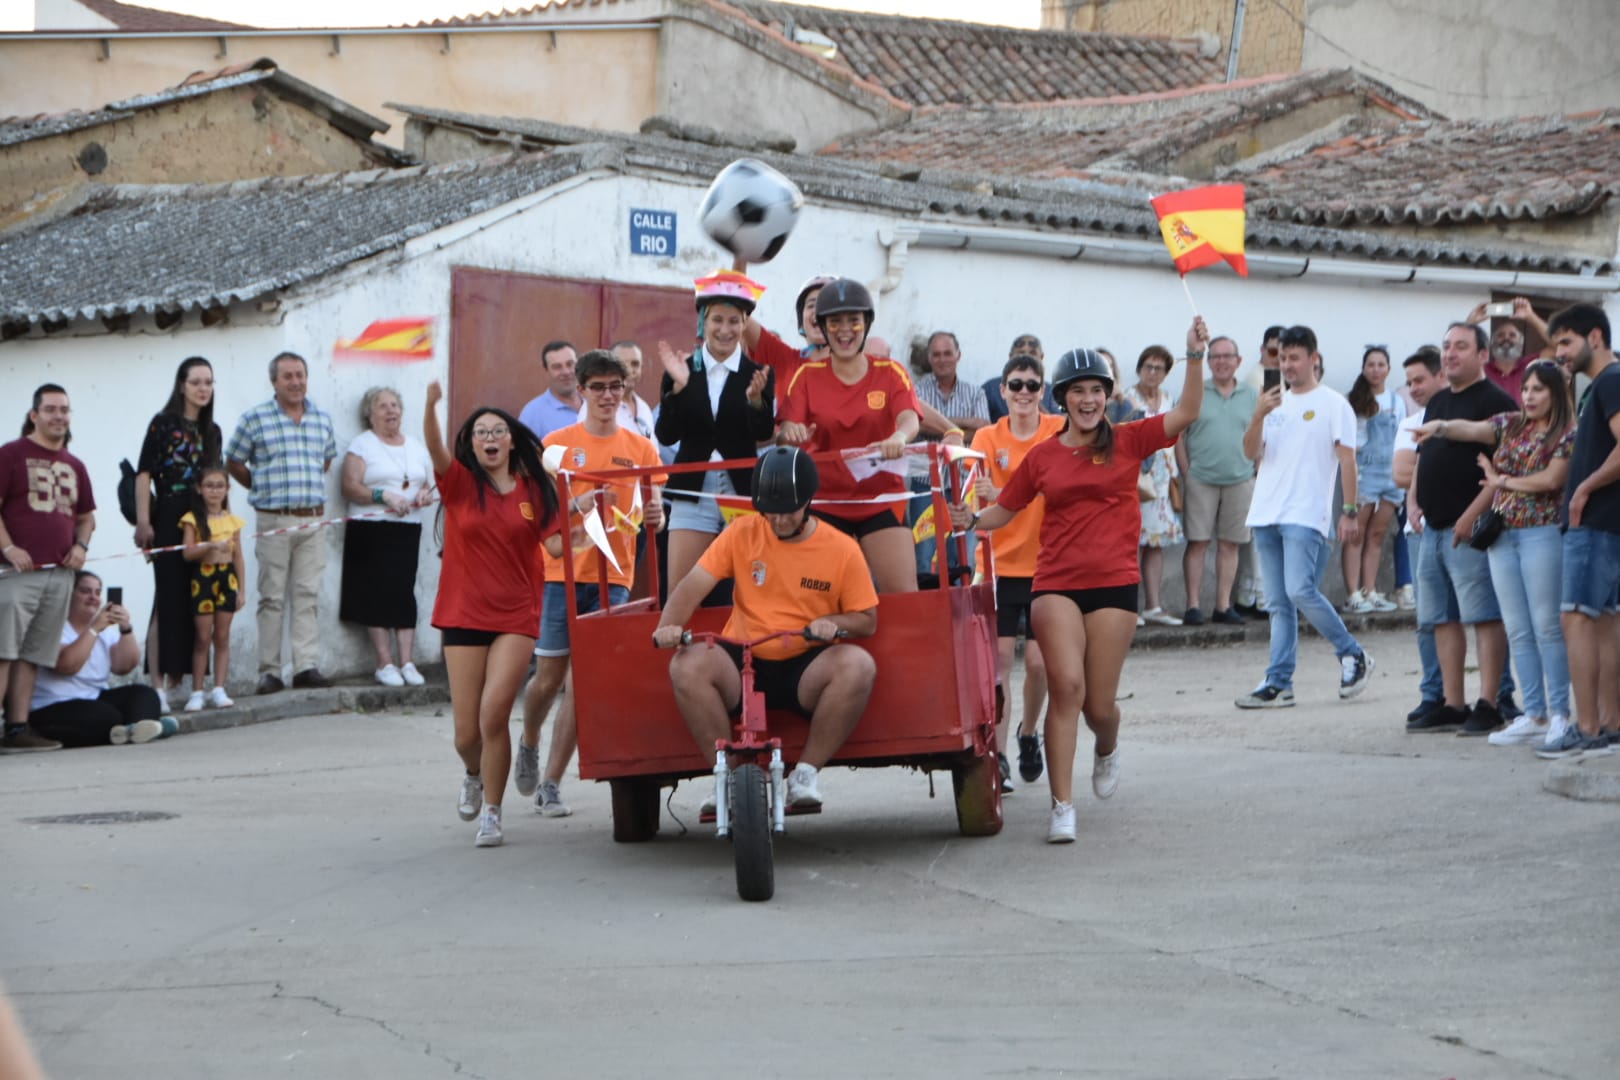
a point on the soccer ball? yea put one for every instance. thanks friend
(750, 209)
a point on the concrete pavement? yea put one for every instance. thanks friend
(1292, 893)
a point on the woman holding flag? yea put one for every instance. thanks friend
(1083, 602)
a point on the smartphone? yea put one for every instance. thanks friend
(1502, 310)
(1271, 377)
(115, 594)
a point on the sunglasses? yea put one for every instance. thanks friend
(1018, 386)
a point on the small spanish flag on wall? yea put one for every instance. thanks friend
(1203, 226)
(398, 340)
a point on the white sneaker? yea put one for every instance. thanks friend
(1160, 617)
(141, 731)
(219, 699)
(549, 802)
(1405, 598)
(710, 804)
(1141, 621)
(390, 676)
(1525, 731)
(1556, 727)
(1358, 603)
(1376, 602)
(411, 676)
(1061, 831)
(802, 789)
(472, 797)
(489, 828)
(526, 769)
(1105, 774)
(197, 702)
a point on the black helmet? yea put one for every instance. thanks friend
(785, 480)
(842, 296)
(1080, 364)
(818, 282)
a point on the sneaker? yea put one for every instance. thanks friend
(802, 789)
(1140, 622)
(141, 731)
(1030, 765)
(709, 805)
(1227, 617)
(1571, 743)
(1006, 774)
(489, 828)
(1405, 598)
(219, 699)
(1160, 617)
(549, 801)
(389, 675)
(1482, 720)
(197, 702)
(1376, 602)
(1599, 745)
(1357, 604)
(310, 679)
(171, 726)
(1424, 708)
(1105, 774)
(526, 769)
(1524, 731)
(472, 797)
(1556, 726)
(1444, 718)
(1265, 696)
(411, 676)
(1508, 707)
(269, 684)
(1355, 673)
(25, 740)
(1061, 830)
(1192, 617)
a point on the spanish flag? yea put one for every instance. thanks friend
(399, 340)
(1203, 226)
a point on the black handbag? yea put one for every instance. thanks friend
(1487, 527)
(126, 490)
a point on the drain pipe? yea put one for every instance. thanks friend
(1237, 40)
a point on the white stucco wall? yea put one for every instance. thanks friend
(118, 381)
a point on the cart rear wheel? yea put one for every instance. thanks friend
(977, 781)
(751, 833)
(635, 810)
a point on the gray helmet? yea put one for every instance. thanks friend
(842, 296)
(1079, 364)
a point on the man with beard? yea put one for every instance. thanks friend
(1509, 358)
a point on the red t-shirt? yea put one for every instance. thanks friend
(783, 359)
(850, 417)
(487, 578)
(43, 492)
(1093, 518)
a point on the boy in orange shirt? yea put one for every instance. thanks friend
(1004, 445)
(597, 444)
(791, 572)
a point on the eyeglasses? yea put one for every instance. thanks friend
(1018, 386)
(604, 388)
(1153, 367)
(486, 434)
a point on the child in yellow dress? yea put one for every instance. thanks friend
(214, 550)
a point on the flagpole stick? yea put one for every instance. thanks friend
(1188, 291)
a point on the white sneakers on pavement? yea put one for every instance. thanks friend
(411, 676)
(1525, 731)
(1105, 774)
(1061, 829)
(489, 828)
(219, 699)
(1159, 617)
(390, 676)
(471, 797)
(802, 789)
(526, 769)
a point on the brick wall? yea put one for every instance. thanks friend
(1273, 36)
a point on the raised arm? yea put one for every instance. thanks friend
(431, 434)
(1181, 417)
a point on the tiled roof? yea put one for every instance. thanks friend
(133, 19)
(1145, 133)
(1440, 172)
(943, 62)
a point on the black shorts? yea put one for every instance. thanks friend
(1122, 597)
(861, 527)
(454, 636)
(777, 679)
(1012, 606)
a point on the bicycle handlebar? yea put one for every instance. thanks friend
(689, 636)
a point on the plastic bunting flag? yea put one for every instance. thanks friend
(1203, 226)
(397, 340)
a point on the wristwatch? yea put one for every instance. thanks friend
(1349, 509)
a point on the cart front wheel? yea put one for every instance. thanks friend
(977, 781)
(635, 810)
(751, 833)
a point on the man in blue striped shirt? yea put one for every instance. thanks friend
(281, 452)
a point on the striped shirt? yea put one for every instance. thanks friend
(967, 399)
(286, 459)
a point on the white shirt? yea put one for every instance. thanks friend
(404, 470)
(1298, 465)
(87, 683)
(718, 370)
(1404, 440)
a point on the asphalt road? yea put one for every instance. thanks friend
(1297, 893)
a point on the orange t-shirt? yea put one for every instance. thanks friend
(587, 453)
(782, 585)
(1016, 542)
(849, 417)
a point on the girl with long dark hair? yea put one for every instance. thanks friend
(180, 440)
(496, 507)
(1379, 411)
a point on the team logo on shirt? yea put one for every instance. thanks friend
(577, 455)
(526, 510)
(1099, 459)
(876, 399)
(1002, 457)
(757, 572)
(1310, 414)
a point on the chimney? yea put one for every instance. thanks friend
(1069, 14)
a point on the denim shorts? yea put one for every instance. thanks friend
(1453, 581)
(1591, 572)
(701, 515)
(554, 613)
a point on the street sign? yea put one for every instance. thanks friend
(652, 232)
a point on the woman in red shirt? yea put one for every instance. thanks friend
(850, 401)
(496, 508)
(1083, 598)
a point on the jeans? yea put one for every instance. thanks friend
(1433, 685)
(1454, 582)
(1526, 568)
(1291, 561)
(1403, 556)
